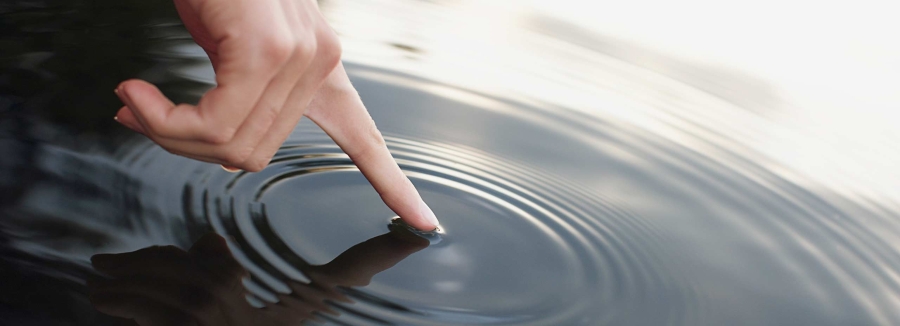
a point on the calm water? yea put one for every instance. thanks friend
(581, 180)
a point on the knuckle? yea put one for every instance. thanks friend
(219, 136)
(372, 142)
(329, 47)
(159, 125)
(155, 129)
(235, 156)
(269, 115)
(278, 49)
(307, 46)
(373, 137)
(256, 165)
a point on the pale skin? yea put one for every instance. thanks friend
(276, 61)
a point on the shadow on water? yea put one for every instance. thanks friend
(170, 286)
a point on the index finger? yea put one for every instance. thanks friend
(338, 110)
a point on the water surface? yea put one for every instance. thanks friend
(581, 179)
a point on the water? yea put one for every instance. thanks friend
(579, 179)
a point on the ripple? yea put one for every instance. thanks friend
(433, 236)
(619, 226)
(520, 246)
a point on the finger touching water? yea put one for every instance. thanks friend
(339, 111)
(271, 59)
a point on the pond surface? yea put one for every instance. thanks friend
(580, 179)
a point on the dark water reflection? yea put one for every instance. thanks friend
(575, 188)
(169, 286)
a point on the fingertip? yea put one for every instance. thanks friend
(425, 220)
(132, 85)
(144, 100)
(139, 93)
(129, 120)
(126, 90)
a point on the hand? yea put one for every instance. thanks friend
(168, 286)
(272, 58)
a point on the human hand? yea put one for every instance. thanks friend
(272, 58)
(168, 286)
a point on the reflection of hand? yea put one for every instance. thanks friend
(270, 57)
(168, 286)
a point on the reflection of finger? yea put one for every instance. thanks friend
(356, 266)
(212, 246)
(317, 319)
(338, 110)
(188, 299)
(290, 308)
(144, 311)
(315, 295)
(216, 264)
(154, 262)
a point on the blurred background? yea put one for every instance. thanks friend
(812, 86)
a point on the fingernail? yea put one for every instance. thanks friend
(124, 98)
(133, 126)
(121, 96)
(429, 215)
(230, 169)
